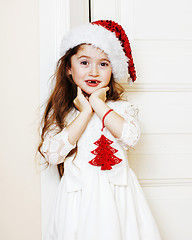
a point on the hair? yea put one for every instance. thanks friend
(60, 102)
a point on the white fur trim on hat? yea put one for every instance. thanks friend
(103, 39)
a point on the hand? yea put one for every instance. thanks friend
(100, 93)
(81, 102)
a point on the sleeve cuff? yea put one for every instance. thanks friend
(63, 136)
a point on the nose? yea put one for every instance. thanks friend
(94, 70)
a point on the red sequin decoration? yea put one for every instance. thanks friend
(121, 35)
(104, 154)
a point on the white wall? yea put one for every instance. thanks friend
(20, 217)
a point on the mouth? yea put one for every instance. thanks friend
(92, 83)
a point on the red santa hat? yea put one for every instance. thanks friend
(110, 37)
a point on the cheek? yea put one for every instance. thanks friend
(108, 76)
(77, 80)
(77, 76)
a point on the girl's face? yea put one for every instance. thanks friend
(90, 69)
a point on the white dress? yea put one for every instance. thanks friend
(95, 204)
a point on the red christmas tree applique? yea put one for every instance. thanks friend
(104, 154)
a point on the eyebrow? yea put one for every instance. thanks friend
(90, 57)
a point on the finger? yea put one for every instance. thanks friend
(106, 89)
(79, 92)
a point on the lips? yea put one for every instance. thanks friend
(92, 82)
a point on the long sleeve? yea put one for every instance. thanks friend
(56, 146)
(131, 130)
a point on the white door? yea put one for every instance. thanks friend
(160, 33)
(161, 39)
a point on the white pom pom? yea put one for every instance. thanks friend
(130, 81)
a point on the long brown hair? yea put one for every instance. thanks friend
(60, 102)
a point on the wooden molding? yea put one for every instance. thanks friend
(166, 182)
(139, 87)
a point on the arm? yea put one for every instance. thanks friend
(77, 127)
(113, 121)
(56, 146)
(122, 124)
(131, 130)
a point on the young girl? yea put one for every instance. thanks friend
(87, 129)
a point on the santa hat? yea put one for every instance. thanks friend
(110, 37)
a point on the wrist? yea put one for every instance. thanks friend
(104, 116)
(100, 108)
(94, 101)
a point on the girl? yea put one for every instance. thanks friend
(87, 129)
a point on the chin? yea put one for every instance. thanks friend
(90, 91)
(86, 92)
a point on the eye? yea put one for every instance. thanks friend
(84, 62)
(104, 64)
